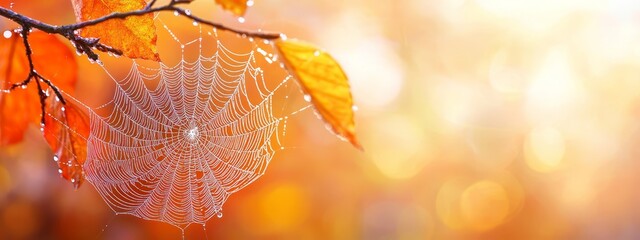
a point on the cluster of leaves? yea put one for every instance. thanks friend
(22, 107)
(126, 27)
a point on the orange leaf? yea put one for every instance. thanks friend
(237, 7)
(324, 84)
(51, 58)
(135, 36)
(66, 130)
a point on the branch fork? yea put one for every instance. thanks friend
(87, 45)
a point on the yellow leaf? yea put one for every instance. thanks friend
(237, 7)
(135, 36)
(323, 80)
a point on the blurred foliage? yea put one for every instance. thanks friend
(480, 119)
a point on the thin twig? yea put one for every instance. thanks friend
(67, 31)
(33, 75)
(86, 45)
(169, 7)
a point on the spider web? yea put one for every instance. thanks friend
(176, 140)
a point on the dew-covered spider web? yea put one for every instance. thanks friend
(177, 138)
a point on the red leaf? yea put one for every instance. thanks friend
(51, 58)
(66, 130)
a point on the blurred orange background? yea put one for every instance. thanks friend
(480, 119)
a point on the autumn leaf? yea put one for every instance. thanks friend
(237, 7)
(324, 83)
(66, 130)
(51, 58)
(135, 36)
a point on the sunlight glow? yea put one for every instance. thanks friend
(554, 89)
(484, 205)
(545, 149)
(526, 13)
(373, 67)
(400, 152)
(454, 101)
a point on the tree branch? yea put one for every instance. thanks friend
(67, 31)
(33, 75)
(85, 45)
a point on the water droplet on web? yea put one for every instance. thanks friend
(99, 62)
(187, 12)
(219, 214)
(316, 53)
(307, 97)
(354, 108)
(62, 109)
(241, 19)
(283, 36)
(41, 127)
(23, 86)
(11, 5)
(176, 13)
(7, 34)
(60, 170)
(266, 41)
(249, 3)
(251, 39)
(326, 125)
(195, 23)
(192, 134)
(282, 65)
(55, 158)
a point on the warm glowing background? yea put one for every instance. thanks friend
(480, 118)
